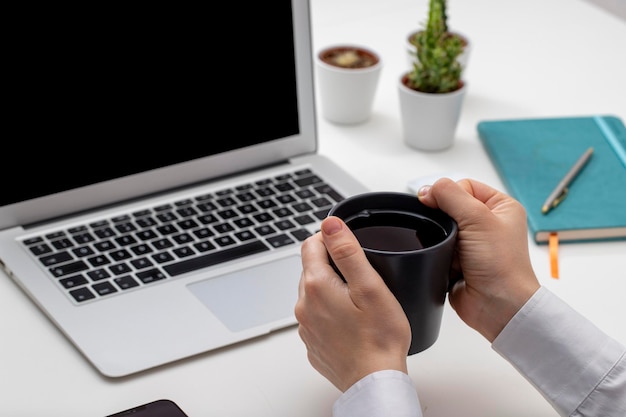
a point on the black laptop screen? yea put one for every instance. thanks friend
(96, 92)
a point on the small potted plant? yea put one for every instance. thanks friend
(432, 92)
(347, 79)
(415, 37)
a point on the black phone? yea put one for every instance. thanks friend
(158, 408)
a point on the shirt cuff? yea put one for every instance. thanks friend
(380, 394)
(559, 351)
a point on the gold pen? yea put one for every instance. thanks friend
(560, 192)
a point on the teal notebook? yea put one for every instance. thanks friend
(533, 155)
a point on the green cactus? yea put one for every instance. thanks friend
(436, 68)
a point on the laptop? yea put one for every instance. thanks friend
(164, 173)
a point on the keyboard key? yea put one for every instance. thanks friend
(183, 252)
(120, 254)
(306, 193)
(266, 204)
(83, 251)
(55, 235)
(185, 202)
(62, 243)
(104, 232)
(99, 260)
(247, 209)
(321, 214)
(243, 222)
(284, 225)
(167, 217)
(321, 202)
(40, 249)
(73, 281)
(329, 191)
(33, 240)
(150, 276)
(226, 201)
(125, 227)
(223, 228)
(245, 235)
(224, 240)
(203, 233)
(204, 246)
(285, 199)
(282, 212)
(227, 214)
(280, 240)
(265, 230)
(121, 219)
(104, 288)
(84, 238)
(207, 206)
(162, 257)
(245, 197)
(98, 275)
(104, 246)
(141, 249)
(119, 269)
(263, 217)
(145, 222)
(300, 234)
(182, 238)
(78, 229)
(56, 258)
(313, 179)
(126, 282)
(186, 212)
(215, 258)
(167, 229)
(208, 219)
(82, 294)
(302, 207)
(141, 263)
(162, 243)
(146, 235)
(69, 268)
(187, 224)
(125, 240)
(304, 219)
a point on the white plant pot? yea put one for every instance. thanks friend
(411, 51)
(429, 121)
(347, 94)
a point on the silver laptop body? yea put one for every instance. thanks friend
(118, 116)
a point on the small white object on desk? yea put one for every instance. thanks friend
(416, 183)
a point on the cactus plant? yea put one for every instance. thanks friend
(436, 68)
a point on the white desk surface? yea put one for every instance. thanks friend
(530, 58)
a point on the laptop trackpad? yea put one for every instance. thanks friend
(253, 296)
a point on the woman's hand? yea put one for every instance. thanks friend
(493, 263)
(350, 328)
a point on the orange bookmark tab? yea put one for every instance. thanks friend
(553, 244)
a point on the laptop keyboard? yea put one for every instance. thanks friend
(132, 250)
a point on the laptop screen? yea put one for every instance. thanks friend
(98, 93)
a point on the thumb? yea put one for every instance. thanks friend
(348, 256)
(462, 200)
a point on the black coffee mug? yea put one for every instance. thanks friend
(411, 246)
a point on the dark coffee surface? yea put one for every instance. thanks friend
(396, 232)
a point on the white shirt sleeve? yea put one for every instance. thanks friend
(380, 394)
(579, 369)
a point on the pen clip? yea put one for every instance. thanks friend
(560, 198)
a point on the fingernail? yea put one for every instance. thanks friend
(331, 225)
(423, 190)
